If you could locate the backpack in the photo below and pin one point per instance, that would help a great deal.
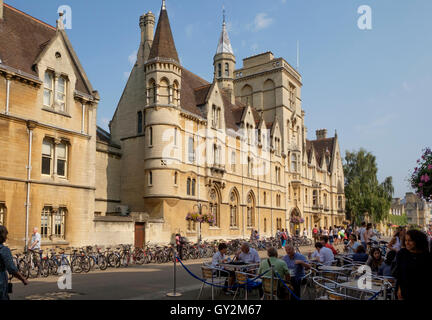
(284, 236)
(182, 240)
(315, 230)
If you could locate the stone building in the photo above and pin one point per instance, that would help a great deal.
(417, 211)
(48, 133)
(237, 146)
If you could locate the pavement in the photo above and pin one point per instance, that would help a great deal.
(148, 282)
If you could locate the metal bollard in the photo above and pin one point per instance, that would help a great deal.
(174, 293)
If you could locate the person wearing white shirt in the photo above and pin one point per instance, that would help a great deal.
(220, 256)
(323, 255)
(35, 242)
(247, 254)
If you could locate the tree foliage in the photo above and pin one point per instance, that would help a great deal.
(364, 194)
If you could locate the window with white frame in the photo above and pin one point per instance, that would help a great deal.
(53, 223)
(48, 89)
(61, 94)
(191, 150)
(61, 159)
(47, 156)
(233, 161)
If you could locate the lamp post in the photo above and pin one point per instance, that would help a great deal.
(199, 207)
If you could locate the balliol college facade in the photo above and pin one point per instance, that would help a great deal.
(235, 147)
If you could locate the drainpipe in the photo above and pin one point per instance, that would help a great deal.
(8, 82)
(31, 125)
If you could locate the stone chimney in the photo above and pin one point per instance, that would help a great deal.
(1, 9)
(147, 23)
(321, 134)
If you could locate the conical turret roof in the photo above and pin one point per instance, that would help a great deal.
(163, 43)
(224, 45)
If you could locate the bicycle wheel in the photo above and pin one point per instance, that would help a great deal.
(53, 268)
(76, 266)
(140, 258)
(44, 268)
(85, 264)
(102, 262)
(124, 258)
(24, 268)
(34, 270)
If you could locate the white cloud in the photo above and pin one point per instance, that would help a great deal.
(406, 86)
(254, 47)
(283, 1)
(262, 21)
(377, 123)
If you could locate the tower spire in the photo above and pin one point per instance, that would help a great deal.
(163, 5)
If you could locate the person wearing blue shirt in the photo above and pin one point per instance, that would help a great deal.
(297, 263)
(360, 256)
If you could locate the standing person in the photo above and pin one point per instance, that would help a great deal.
(395, 243)
(36, 240)
(315, 233)
(362, 231)
(331, 239)
(305, 234)
(336, 234)
(7, 266)
(325, 232)
(368, 234)
(413, 268)
(283, 238)
(180, 243)
(298, 263)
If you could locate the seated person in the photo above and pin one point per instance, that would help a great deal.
(247, 254)
(360, 255)
(279, 266)
(220, 257)
(325, 242)
(323, 255)
(352, 245)
(298, 263)
(375, 260)
(385, 269)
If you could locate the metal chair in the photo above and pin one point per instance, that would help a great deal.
(332, 295)
(213, 275)
(243, 280)
(321, 286)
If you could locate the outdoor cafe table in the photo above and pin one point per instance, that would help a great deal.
(238, 267)
(353, 285)
(330, 268)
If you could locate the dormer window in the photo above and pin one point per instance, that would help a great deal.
(48, 89)
(54, 91)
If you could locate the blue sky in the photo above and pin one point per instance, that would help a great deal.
(373, 86)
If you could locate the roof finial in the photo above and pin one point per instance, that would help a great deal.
(224, 15)
(163, 5)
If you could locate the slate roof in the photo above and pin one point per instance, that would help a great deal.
(22, 40)
(163, 43)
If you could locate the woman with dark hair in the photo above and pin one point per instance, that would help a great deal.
(375, 260)
(7, 266)
(413, 267)
(395, 243)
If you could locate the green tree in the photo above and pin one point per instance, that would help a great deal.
(364, 194)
